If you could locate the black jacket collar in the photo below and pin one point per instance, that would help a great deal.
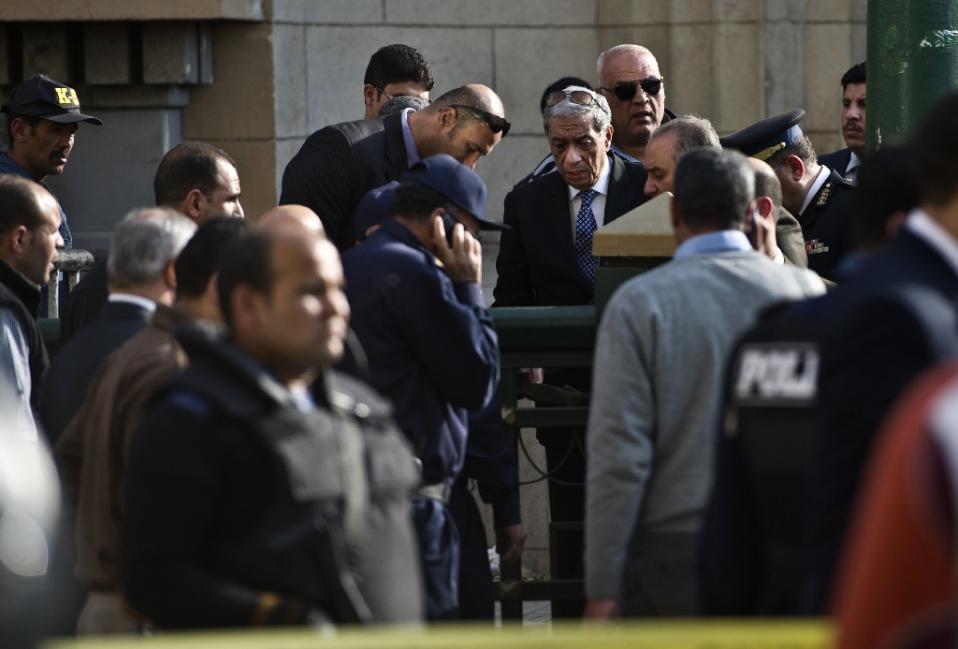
(25, 290)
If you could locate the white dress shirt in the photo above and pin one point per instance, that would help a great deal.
(929, 231)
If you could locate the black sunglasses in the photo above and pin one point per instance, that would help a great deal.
(581, 97)
(625, 90)
(495, 123)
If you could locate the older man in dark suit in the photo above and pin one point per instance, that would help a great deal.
(144, 248)
(545, 259)
(338, 164)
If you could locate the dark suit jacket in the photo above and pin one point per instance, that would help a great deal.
(536, 262)
(837, 160)
(75, 366)
(86, 300)
(338, 164)
(896, 317)
(827, 227)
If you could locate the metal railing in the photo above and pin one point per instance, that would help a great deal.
(71, 263)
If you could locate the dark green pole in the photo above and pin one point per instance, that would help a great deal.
(912, 62)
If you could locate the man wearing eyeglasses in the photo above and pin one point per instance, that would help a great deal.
(338, 164)
(395, 71)
(629, 78)
(545, 259)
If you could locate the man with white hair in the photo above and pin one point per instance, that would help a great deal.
(629, 78)
(545, 259)
(145, 246)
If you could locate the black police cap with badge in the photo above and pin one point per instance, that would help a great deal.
(825, 219)
(41, 96)
(764, 139)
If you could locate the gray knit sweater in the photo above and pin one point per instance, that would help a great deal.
(660, 363)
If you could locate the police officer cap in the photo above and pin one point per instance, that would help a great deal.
(374, 208)
(764, 139)
(41, 96)
(455, 181)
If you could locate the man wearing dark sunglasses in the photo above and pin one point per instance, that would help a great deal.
(338, 164)
(630, 80)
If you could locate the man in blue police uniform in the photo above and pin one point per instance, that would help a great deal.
(418, 312)
(818, 196)
(42, 120)
(848, 161)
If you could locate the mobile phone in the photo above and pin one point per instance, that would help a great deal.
(448, 223)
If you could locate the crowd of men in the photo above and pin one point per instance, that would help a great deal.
(277, 422)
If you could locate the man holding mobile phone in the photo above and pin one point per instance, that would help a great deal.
(431, 346)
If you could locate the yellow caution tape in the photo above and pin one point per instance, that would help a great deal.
(673, 634)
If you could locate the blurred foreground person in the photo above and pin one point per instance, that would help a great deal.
(651, 427)
(92, 450)
(261, 485)
(755, 542)
(897, 585)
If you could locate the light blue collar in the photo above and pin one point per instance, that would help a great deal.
(713, 242)
(412, 152)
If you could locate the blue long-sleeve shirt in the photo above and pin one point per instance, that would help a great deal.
(9, 167)
(431, 345)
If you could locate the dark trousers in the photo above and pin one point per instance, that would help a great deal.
(439, 555)
(476, 594)
(566, 462)
(661, 576)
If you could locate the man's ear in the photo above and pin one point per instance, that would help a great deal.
(609, 133)
(370, 94)
(19, 129)
(765, 207)
(169, 275)
(796, 168)
(674, 214)
(446, 118)
(193, 204)
(17, 238)
(243, 307)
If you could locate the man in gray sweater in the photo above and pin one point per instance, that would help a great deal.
(659, 365)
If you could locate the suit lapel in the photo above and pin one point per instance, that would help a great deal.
(619, 199)
(396, 159)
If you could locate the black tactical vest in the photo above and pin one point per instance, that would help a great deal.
(339, 534)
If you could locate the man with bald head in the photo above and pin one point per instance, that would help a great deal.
(288, 476)
(680, 135)
(338, 164)
(125, 382)
(29, 240)
(629, 78)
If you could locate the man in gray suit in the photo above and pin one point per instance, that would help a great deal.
(338, 164)
(659, 365)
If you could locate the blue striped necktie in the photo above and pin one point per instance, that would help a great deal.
(584, 227)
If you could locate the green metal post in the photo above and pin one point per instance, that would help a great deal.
(912, 62)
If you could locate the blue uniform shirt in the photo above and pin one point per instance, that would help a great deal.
(9, 166)
(431, 344)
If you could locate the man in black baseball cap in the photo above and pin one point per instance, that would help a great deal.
(42, 119)
(817, 196)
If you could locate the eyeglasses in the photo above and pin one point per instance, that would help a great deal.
(581, 97)
(495, 123)
(382, 91)
(625, 90)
